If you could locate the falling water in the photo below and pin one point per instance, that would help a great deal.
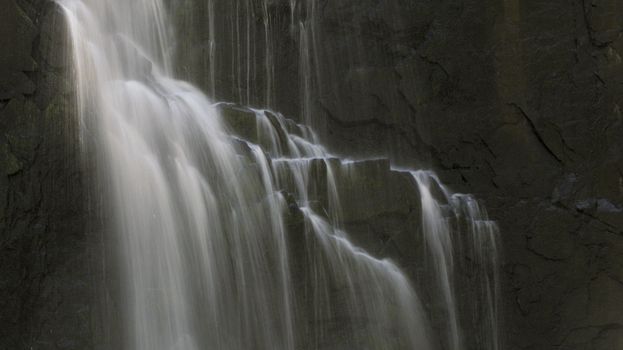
(205, 261)
(442, 218)
(305, 72)
(240, 48)
(229, 219)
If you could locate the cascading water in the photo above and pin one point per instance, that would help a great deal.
(205, 262)
(205, 211)
(477, 239)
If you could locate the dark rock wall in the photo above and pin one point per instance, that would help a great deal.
(516, 101)
(519, 102)
(46, 276)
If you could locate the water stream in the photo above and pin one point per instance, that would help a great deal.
(231, 231)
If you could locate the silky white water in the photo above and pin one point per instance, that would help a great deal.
(203, 217)
(478, 237)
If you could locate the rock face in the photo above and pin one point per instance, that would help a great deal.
(516, 101)
(46, 280)
(519, 102)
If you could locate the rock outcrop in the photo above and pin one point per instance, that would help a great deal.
(46, 251)
(518, 102)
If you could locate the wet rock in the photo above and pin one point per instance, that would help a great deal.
(53, 39)
(23, 119)
(17, 33)
(369, 189)
(46, 271)
(8, 162)
(241, 121)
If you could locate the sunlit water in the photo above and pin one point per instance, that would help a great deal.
(203, 215)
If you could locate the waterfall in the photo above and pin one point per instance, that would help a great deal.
(229, 220)
(442, 218)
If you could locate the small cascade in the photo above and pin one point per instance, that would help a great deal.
(392, 317)
(455, 225)
(437, 236)
(234, 224)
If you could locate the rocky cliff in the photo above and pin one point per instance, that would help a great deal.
(46, 282)
(515, 101)
(519, 102)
